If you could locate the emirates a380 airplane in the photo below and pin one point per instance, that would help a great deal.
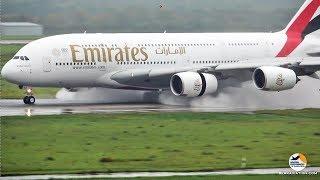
(188, 64)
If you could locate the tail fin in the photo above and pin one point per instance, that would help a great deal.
(305, 22)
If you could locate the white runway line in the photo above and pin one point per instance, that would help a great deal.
(8, 42)
(164, 174)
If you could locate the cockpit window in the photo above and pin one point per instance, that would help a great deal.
(21, 58)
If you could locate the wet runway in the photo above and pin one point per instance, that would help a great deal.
(55, 107)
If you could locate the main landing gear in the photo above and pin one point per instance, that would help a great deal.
(29, 99)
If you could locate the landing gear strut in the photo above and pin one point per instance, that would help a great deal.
(29, 99)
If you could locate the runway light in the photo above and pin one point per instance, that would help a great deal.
(29, 90)
(28, 112)
(244, 162)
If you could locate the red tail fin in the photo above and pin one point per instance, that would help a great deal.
(302, 24)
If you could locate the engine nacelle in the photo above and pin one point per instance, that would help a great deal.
(270, 78)
(192, 84)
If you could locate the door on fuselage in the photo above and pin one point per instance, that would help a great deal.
(46, 64)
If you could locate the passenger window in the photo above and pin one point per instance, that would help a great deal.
(22, 58)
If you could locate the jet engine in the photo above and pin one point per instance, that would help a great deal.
(192, 84)
(269, 78)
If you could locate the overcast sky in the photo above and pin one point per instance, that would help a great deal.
(61, 16)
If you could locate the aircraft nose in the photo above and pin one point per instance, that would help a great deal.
(5, 71)
(9, 71)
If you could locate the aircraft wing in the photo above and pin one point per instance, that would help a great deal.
(310, 63)
(161, 77)
(143, 74)
(152, 78)
(286, 63)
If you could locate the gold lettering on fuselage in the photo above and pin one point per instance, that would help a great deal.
(74, 52)
(134, 53)
(126, 50)
(171, 51)
(143, 51)
(119, 54)
(110, 54)
(106, 54)
(94, 52)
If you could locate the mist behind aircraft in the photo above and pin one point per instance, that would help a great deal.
(305, 95)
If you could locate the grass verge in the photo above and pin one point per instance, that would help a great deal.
(7, 52)
(11, 91)
(157, 141)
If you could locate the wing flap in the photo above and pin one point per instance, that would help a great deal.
(310, 63)
(170, 71)
(254, 65)
(141, 75)
(145, 74)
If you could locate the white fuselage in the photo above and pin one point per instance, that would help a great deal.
(91, 60)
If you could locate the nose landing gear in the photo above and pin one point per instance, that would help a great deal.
(29, 99)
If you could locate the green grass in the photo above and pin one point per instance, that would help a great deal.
(157, 141)
(11, 91)
(7, 52)
(20, 37)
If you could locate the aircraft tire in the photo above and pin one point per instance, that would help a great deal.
(26, 100)
(32, 100)
(29, 100)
